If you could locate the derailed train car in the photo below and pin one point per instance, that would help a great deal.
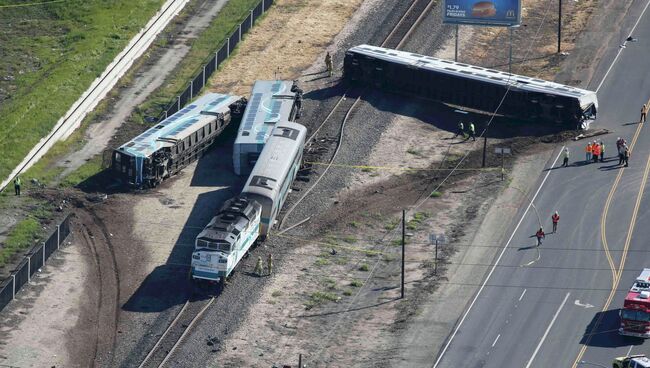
(225, 240)
(175, 142)
(469, 86)
(250, 216)
(271, 178)
(271, 102)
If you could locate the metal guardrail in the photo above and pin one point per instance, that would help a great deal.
(32, 262)
(211, 65)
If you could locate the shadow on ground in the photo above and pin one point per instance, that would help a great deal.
(606, 333)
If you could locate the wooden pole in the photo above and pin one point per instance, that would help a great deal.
(403, 249)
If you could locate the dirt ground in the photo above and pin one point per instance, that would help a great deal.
(336, 302)
(284, 44)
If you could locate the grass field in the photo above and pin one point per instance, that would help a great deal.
(51, 53)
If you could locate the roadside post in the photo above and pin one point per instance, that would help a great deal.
(436, 239)
(403, 250)
(502, 151)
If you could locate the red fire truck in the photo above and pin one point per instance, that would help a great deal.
(635, 315)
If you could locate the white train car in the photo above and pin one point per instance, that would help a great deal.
(225, 240)
(271, 178)
(470, 86)
(271, 102)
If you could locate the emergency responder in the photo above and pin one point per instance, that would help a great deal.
(626, 155)
(588, 152)
(328, 63)
(565, 157)
(602, 151)
(258, 267)
(472, 131)
(644, 113)
(595, 151)
(461, 130)
(540, 235)
(555, 218)
(269, 263)
(17, 183)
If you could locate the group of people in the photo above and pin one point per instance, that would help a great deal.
(471, 131)
(595, 151)
(623, 151)
(540, 235)
(269, 264)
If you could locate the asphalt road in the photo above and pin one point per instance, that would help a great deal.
(536, 307)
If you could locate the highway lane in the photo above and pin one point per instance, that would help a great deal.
(547, 325)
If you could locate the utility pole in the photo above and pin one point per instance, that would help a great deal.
(484, 146)
(403, 249)
(456, 48)
(299, 360)
(559, 28)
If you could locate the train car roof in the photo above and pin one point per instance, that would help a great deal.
(271, 102)
(272, 166)
(474, 72)
(180, 125)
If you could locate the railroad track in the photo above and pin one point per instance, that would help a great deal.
(343, 108)
(180, 327)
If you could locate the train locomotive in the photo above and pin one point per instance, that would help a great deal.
(271, 102)
(470, 86)
(226, 239)
(251, 215)
(164, 149)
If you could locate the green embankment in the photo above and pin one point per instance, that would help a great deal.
(203, 47)
(51, 53)
(22, 236)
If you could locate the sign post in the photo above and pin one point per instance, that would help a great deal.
(502, 151)
(436, 239)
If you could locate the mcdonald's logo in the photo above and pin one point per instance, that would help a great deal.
(510, 14)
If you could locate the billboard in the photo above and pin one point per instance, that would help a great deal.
(488, 13)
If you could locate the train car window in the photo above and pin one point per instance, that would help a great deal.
(118, 157)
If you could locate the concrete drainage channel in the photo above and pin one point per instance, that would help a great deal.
(33, 262)
(101, 86)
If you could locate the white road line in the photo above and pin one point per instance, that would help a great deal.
(522, 295)
(497, 339)
(547, 330)
(478, 293)
(629, 351)
(621, 49)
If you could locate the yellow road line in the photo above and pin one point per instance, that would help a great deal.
(619, 272)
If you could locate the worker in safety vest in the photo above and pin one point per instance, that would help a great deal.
(540, 236)
(644, 113)
(269, 263)
(461, 130)
(588, 152)
(17, 183)
(555, 218)
(472, 131)
(328, 63)
(602, 151)
(258, 266)
(595, 151)
(565, 157)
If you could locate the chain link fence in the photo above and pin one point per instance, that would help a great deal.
(32, 262)
(198, 82)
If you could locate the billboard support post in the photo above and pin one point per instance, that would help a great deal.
(559, 28)
(456, 49)
(510, 61)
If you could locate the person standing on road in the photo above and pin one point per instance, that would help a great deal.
(626, 156)
(621, 154)
(461, 130)
(17, 184)
(258, 267)
(644, 113)
(588, 152)
(472, 131)
(328, 63)
(555, 218)
(540, 235)
(565, 157)
(595, 150)
(602, 151)
(269, 263)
